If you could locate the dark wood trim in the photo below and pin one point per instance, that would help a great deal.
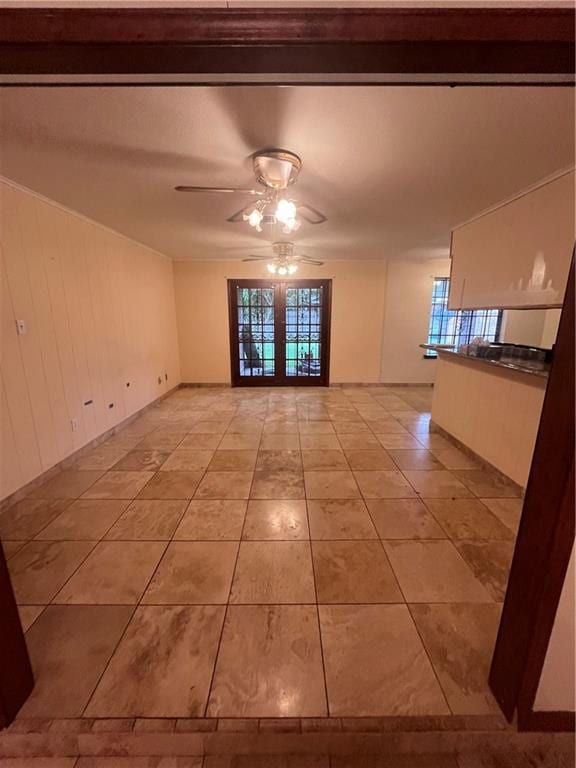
(549, 721)
(545, 538)
(280, 379)
(16, 679)
(335, 40)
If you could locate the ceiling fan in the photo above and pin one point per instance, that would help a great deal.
(284, 261)
(275, 170)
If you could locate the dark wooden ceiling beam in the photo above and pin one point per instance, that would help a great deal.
(69, 41)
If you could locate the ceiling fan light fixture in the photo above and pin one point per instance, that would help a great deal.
(254, 218)
(271, 268)
(292, 268)
(282, 270)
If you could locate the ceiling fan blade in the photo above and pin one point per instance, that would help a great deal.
(243, 190)
(257, 258)
(307, 260)
(238, 215)
(311, 215)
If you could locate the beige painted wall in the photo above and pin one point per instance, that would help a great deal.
(358, 293)
(99, 313)
(556, 690)
(494, 412)
(407, 318)
(537, 327)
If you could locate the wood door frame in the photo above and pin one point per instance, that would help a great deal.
(543, 546)
(419, 41)
(282, 381)
(468, 47)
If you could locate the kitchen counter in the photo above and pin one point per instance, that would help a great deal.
(522, 366)
(491, 406)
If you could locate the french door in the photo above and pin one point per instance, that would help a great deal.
(279, 332)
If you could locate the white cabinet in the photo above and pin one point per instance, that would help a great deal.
(518, 253)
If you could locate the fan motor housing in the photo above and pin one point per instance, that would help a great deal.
(276, 168)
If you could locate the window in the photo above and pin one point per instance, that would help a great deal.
(460, 326)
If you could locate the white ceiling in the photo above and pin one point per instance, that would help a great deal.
(393, 168)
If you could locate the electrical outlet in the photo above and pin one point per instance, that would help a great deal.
(74, 424)
(159, 379)
(21, 327)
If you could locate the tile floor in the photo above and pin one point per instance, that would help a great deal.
(265, 553)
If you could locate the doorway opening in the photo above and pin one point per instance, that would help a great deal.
(280, 332)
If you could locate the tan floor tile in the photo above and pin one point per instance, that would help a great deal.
(279, 461)
(201, 442)
(281, 427)
(118, 485)
(376, 664)
(281, 670)
(351, 428)
(163, 665)
(69, 648)
(273, 572)
(353, 572)
(115, 573)
(460, 642)
(319, 443)
(148, 520)
(401, 441)
(188, 460)
(315, 428)
(452, 458)
(207, 520)
(193, 572)
(171, 485)
(41, 568)
(157, 441)
(102, 457)
(403, 519)
(384, 484)
(28, 615)
(434, 572)
(225, 485)
(28, 517)
(508, 511)
(468, 519)
(239, 442)
(231, 460)
(490, 562)
(331, 485)
(362, 442)
(210, 427)
(488, 484)
(418, 459)
(280, 443)
(324, 459)
(340, 519)
(84, 519)
(436, 484)
(68, 484)
(246, 426)
(276, 519)
(277, 485)
(373, 459)
(142, 460)
(10, 547)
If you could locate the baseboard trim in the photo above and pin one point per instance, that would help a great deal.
(65, 463)
(473, 455)
(204, 385)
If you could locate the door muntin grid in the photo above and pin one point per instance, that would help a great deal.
(303, 323)
(256, 339)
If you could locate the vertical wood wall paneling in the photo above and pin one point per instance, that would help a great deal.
(99, 311)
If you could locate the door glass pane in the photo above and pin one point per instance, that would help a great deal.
(303, 330)
(255, 311)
